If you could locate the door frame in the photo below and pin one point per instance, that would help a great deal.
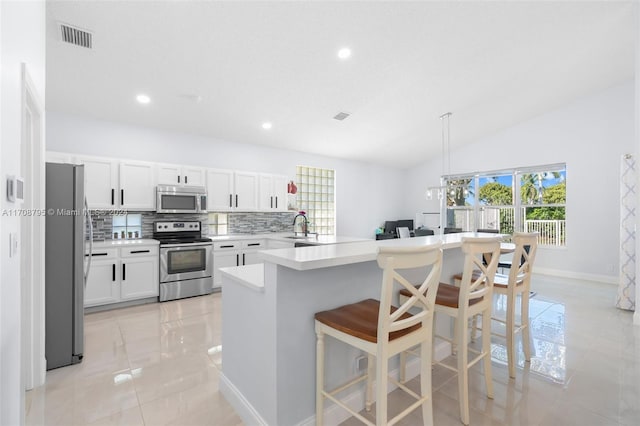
(32, 230)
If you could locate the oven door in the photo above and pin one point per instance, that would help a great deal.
(185, 262)
(168, 202)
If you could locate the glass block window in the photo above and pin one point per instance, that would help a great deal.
(316, 197)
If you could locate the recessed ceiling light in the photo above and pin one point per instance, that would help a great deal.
(143, 99)
(266, 125)
(344, 53)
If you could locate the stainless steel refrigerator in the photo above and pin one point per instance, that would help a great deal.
(65, 268)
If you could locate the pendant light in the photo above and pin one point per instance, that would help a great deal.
(441, 190)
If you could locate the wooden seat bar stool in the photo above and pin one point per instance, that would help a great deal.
(473, 297)
(383, 331)
(516, 283)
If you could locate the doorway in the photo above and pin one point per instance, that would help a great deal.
(32, 236)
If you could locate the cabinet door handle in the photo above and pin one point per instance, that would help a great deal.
(253, 244)
(276, 201)
(186, 179)
(236, 200)
(230, 246)
(122, 197)
(96, 254)
(139, 251)
(124, 274)
(271, 202)
(230, 200)
(113, 272)
(113, 196)
(237, 260)
(178, 178)
(243, 262)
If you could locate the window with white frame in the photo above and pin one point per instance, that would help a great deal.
(525, 199)
(316, 197)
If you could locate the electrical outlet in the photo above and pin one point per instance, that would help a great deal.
(361, 363)
(610, 268)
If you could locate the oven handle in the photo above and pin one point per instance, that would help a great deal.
(186, 245)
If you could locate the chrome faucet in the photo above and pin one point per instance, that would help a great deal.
(305, 224)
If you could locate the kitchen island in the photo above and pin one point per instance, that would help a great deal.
(268, 335)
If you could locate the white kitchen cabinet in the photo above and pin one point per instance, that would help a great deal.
(139, 278)
(101, 181)
(273, 192)
(124, 274)
(249, 252)
(234, 253)
(246, 191)
(110, 183)
(137, 185)
(103, 283)
(220, 190)
(225, 254)
(173, 174)
(229, 190)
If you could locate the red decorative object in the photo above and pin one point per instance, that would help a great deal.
(292, 188)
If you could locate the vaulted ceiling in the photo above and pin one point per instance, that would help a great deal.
(221, 69)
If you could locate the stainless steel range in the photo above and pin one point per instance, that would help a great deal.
(185, 260)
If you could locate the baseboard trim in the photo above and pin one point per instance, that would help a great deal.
(606, 279)
(245, 410)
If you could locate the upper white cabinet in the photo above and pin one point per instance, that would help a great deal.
(112, 183)
(172, 174)
(118, 184)
(229, 190)
(273, 192)
(137, 185)
(246, 191)
(220, 190)
(101, 182)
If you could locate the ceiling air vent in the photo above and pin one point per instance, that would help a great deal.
(341, 116)
(76, 36)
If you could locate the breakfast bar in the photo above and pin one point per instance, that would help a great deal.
(268, 335)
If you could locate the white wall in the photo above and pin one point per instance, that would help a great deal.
(22, 40)
(366, 194)
(590, 136)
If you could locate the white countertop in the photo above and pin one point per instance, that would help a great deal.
(123, 243)
(306, 258)
(251, 276)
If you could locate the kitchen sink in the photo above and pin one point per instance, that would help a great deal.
(298, 237)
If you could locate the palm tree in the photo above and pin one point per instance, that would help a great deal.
(531, 188)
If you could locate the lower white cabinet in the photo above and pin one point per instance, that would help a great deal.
(122, 274)
(234, 253)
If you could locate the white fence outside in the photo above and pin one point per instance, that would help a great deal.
(552, 232)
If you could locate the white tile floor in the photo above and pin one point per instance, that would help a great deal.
(159, 364)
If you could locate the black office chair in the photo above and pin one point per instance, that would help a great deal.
(452, 230)
(422, 232)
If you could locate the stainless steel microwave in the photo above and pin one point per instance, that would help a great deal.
(181, 199)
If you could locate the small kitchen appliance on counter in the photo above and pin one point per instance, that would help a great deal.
(185, 259)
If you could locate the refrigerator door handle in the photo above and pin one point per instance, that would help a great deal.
(88, 216)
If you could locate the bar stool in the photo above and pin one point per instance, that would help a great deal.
(382, 331)
(517, 283)
(473, 297)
